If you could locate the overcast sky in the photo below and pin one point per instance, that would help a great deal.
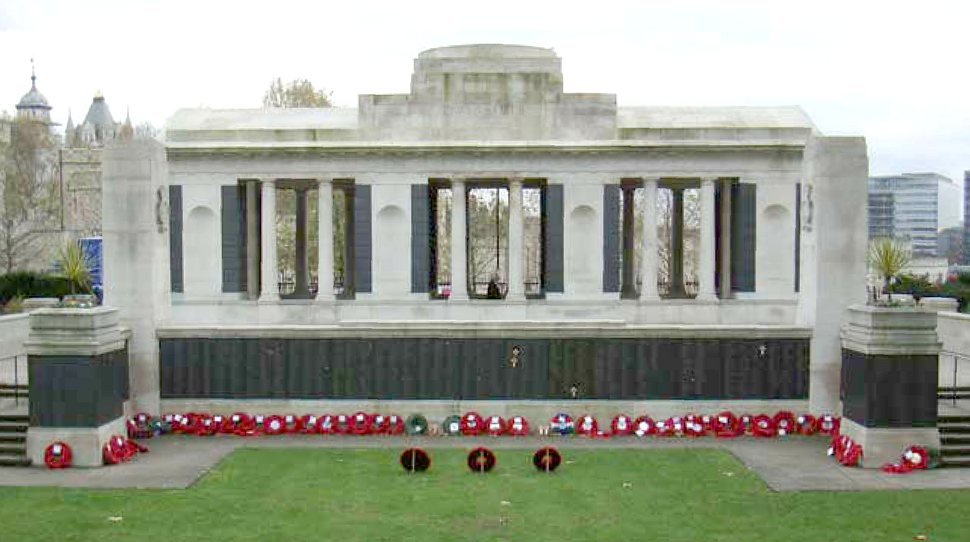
(897, 73)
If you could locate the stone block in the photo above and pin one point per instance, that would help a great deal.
(886, 445)
(86, 442)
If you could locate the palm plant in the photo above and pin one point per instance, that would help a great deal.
(887, 257)
(75, 266)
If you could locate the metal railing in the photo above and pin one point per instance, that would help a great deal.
(959, 377)
(13, 368)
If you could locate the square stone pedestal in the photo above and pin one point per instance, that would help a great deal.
(78, 363)
(890, 360)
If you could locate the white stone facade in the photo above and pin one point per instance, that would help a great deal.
(490, 113)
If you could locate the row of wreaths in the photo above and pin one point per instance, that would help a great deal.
(725, 425)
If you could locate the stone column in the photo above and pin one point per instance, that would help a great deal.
(325, 293)
(516, 289)
(705, 271)
(725, 277)
(252, 240)
(302, 289)
(629, 287)
(890, 366)
(650, 253)
(677, 244)
(459, 261)
(269, 276)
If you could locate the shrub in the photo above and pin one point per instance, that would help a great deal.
(32, 284)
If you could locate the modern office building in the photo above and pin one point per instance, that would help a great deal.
(923, 204)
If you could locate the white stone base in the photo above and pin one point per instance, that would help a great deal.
(536, 412)
(85, 442)
(881, 445)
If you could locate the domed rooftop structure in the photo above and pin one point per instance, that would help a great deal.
(34, 105)
(98, 114)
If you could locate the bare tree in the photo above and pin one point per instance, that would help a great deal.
(296, 93)
(28, 192)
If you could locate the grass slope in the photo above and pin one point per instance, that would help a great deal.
(339, 494)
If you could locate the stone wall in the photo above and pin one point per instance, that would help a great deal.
(81, 170)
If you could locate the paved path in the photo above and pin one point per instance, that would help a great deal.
(791, 463)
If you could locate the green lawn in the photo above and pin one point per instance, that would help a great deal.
(335, 494)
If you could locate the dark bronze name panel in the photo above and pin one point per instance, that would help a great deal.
(78, 391)
(889, 391)
(486, 368)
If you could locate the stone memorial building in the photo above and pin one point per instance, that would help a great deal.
(733, 293)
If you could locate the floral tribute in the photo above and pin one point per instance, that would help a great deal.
(472, 424)
(586, 425)
(914, 458)
(845, 450)
(621, 425)
(547, 459)
(784, 423)
(120, 449)
(451, 426)
(415, 460)
(643, 426)
(481, 460)
(562, 424)
(495, 425)
(57, 455)
(806, 424)
(517, 426)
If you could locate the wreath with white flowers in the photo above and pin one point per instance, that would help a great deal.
(845, 450)
(494, 425)
(471, 424)
(621, 425)
(829, 425)
(643, 426)
(360, 423)
(914, 458)
(784, 423)
(57, 455)
(586, 425)
(451, 426)
(694, 426)
(274, 425)
(562, 424)
(763, 426)
(727, 425)
(517, 426)
(806, 424)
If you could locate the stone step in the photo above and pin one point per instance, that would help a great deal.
(4, 394)
(945, 441)
(6, 438)
(942, 389)
(6, 427)
(955, 450)
(13, 449)
(14, 418)
(952, 419)
(14, 461)
(952, 463)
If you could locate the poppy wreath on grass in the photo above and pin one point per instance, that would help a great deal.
(643, 426)
(416, 424)
(415, 460)
(763, 426)
(586, 425)
(451, 426)
(806, 424)
(727, 425)
(517, 426)
(481, 460)
(914, 458)
(829, 425)
(562, 424)
(494, 425)
(784, 422)
(360, 423)
(547, 459)
(57, 455)
(472, 424)
(621, 425)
